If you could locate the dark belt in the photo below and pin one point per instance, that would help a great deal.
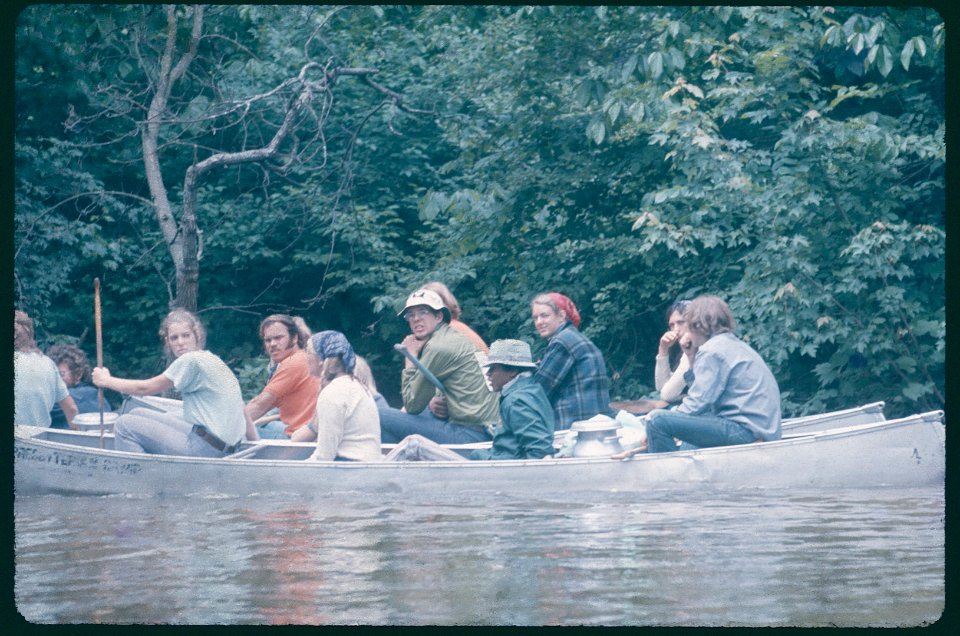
(213, 440)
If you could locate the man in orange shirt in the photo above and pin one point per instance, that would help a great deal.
(291, 388)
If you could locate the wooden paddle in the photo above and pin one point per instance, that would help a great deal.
(99, 328)
(266, 419)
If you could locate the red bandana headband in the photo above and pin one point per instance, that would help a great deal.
(565, 304)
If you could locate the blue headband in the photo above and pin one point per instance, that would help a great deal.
(329, 344)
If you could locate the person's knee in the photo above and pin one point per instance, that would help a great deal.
(122, 424)
(656, 420)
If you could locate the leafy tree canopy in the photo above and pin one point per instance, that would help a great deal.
(788, 159)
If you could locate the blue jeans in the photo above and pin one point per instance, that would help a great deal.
(395, 425)
(145, 430)
(272, 430)
(702, 431)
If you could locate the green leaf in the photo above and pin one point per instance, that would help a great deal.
(921, 45)
(629, 67)
(677, 60)
(655, 64)
(885, 60)
(856, 42)
(583, 93)
(596, 131)
(614, 111)
(875, 32)
(914, 391)
(906, 54)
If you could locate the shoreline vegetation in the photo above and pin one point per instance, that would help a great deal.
(323, 162)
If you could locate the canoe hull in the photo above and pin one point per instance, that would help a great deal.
(908, 452)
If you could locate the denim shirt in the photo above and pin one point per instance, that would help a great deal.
(730, 380)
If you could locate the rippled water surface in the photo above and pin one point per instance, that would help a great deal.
(849, 558)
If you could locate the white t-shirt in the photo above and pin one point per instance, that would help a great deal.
(211, 394)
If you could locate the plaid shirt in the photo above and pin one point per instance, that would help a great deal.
(573, 374)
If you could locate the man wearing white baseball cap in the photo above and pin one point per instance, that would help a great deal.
(464, 411)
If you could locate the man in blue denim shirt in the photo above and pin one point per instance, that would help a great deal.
(733, 397)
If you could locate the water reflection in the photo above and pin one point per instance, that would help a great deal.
(811, 559)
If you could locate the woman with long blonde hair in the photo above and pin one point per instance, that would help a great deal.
(213, 421)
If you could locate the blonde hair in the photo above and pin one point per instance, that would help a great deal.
(23, 338)
(187, 318)
(709, 316)
(364, 373)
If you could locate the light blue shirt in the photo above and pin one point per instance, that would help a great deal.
(211, 394)
(37, 386)
(730, 380)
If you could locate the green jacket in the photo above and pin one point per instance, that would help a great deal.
(450, 356)
(528, 423)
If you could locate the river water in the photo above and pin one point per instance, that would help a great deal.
(841, 558)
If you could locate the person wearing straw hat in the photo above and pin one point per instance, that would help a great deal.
(526, 416)
(526, 429)
(464, 411)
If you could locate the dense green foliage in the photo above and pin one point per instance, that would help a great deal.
(789, 159)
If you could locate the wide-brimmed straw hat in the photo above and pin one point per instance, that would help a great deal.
(426, 298)
(511, 353)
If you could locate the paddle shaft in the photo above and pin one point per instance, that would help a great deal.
(424, 370)
(99, 331)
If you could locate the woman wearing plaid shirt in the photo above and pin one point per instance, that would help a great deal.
(572, 370)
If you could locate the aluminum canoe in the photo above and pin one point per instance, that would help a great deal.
(900, 453)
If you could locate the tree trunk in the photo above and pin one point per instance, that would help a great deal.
(181, 240)
(183, 237)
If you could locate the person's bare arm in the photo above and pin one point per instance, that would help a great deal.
(69, 410)
(151, 386)
(252, 433)
(259, 405)
(304, 433)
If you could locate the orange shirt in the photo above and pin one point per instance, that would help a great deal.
(295, 391)
(471, 335)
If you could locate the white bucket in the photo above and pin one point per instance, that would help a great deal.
(91, 421)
